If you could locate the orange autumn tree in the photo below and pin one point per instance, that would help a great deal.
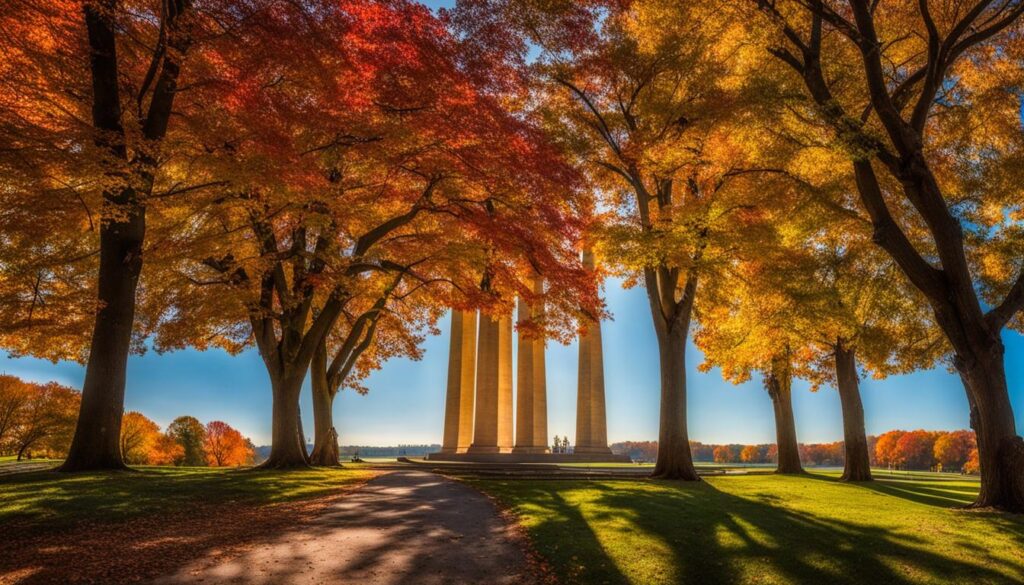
(165, 451)
(387, 170)
(953, 450)
(389, 319)
(916, 449)
(225, 446)
(101, 114)
(746, 325)
(139, 438)
(750, 454)
(14, 396)
(886, 449)
(44, 425)
(916, 96)
(380, 324)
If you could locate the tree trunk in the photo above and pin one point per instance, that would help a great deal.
(1000, 449)
(779, 385)
(325, 438)
(287, 449)
(96, 443)
(97, 440)
(301, 433)
(674, 458)
(855, 441)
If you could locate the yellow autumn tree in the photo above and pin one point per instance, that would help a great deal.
(651, 98)
(915, 97)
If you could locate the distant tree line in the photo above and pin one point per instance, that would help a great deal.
(38, 420)
(896, 449)
(389, 451)
(186, 442)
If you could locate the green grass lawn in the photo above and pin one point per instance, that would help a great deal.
(764, 528)
(50, 500)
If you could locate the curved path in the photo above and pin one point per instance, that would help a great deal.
(403, 527)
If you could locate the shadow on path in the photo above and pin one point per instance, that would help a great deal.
(405, 527)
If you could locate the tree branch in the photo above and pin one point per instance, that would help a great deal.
(999, 316)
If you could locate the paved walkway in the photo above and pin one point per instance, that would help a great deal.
(405, 527)
(24, 467)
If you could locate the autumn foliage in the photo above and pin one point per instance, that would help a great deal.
(36, 420)
(225, 446)
(186, 442)
(948, 451)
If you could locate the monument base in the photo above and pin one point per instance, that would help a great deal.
(607, 457)
(592, 451)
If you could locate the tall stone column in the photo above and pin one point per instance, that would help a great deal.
(591, 424)
(524, 385)
(531, 390)
(505, 428)
(583, 388)
(598, 422)
(485, 427)
(468, 394)
(458, 410)
(540, 383)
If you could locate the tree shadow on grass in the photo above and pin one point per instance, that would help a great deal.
(42, 501)
(708, 536)
(564, 537)
(113, 526)
(921, 490)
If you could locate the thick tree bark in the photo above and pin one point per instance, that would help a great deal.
(1000, 449)
(858, 460)
(301, 434)
(325, 441)
(97, 439)
(287, 450)
(675, 461)
(779, 384)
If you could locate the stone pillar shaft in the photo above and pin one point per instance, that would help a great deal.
(591, 424)
(524, 385)
(540, 384)
(531, 390)
(505, 429)
(458, 412)
(584, 420)
(598, 423)
(485, 428)
(540, 397)
(468, 394)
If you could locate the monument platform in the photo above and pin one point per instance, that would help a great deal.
(608, 457)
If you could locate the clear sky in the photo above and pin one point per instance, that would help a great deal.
(406, 399)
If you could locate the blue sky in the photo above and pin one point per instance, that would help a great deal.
(406, 399)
